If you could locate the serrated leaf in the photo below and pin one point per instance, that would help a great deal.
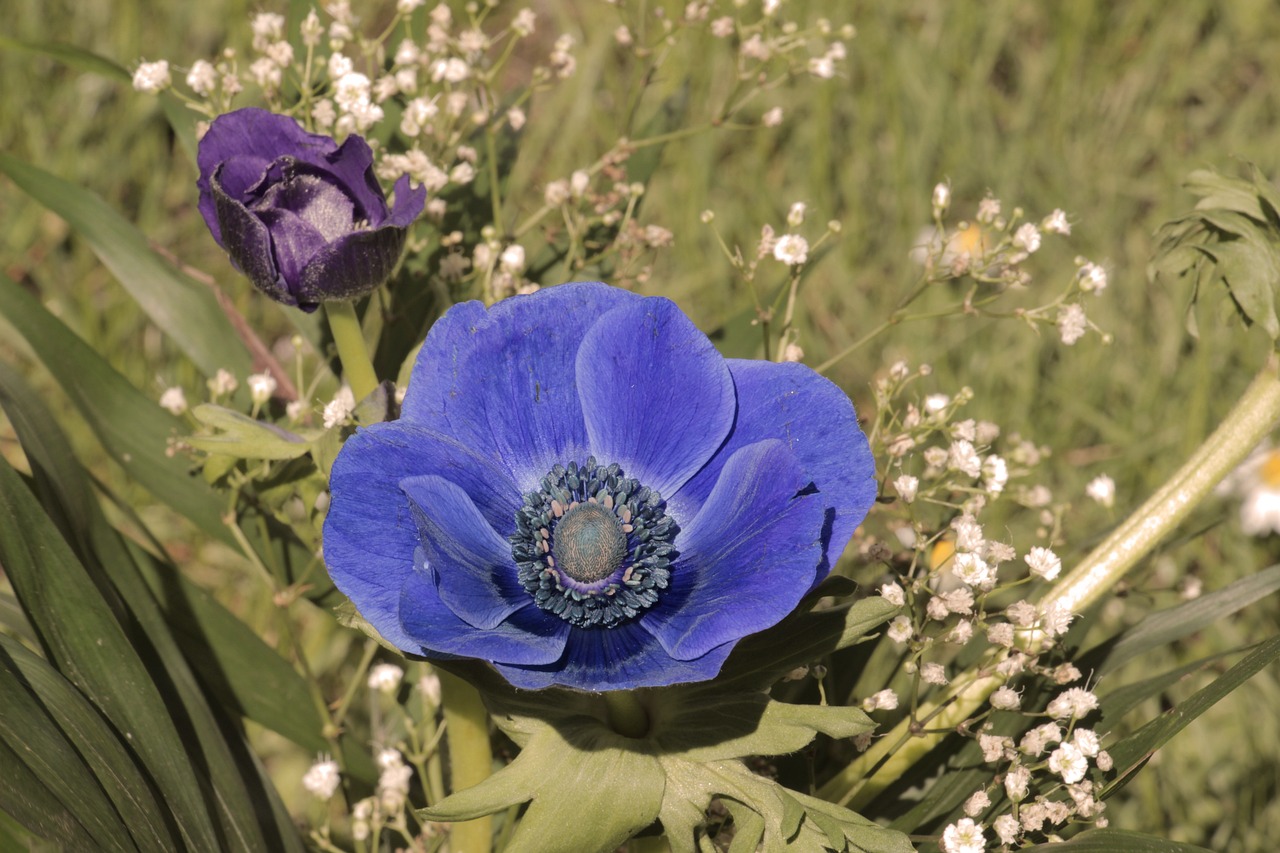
(1250, 267)
(1135, 749)
(748, 827)
(185, 310)
(240, 436)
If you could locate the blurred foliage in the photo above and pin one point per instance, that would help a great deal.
(1098, 108)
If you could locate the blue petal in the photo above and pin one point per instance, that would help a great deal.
(514, 397)
(657, 396)
(352, 166)
(621, 658)
(748, 557)
(408, 204)
(351, 266)
(817, 420)
(247, 241)
(474, 571)
(370, 534)
(434, 380)
(529, 636)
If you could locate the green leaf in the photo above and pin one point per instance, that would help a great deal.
(1132, 752)
(90, 647)
(71, 56)
(53, 758)
(111, 761)
(1116, 703)
(187, 311)
(239, 435)
(1167, 626)
(1116, 841)
(133, 429)
(33, 805)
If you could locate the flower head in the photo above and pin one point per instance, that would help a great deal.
(300, 215)
(583, 492)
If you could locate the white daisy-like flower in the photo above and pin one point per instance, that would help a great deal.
(1257, 482)
(964, 836)
(791, 249)
(1069, 763)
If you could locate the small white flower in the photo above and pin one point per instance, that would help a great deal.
(900, 629)
(988, 209)
(311, 29)
(338, 410)
(1007, 828)
(1027, 238)
(261, 387)
(906, 486)
(995, 474)
(1069, 763)
(1017, 783)
(1065, 673)
(1102, 489)
(793, 353)
(385, 677)
(556, 193)
(795, 216)
(405, 7)
(1072, 323)
(722, 28)
(1006, 699)
(462, 173)
(936, 609)
(1043, 563)
(884, 700)
(791, 249)
(1104, 761)
(962, 457)
(512, 259)
(941, 198)
(202, 78)
(893, 594)
(222, 383)
(977, 804)
(772, 118)
(964, 836)
(515, 118)
(1055, 620)
(1086, 740)
(1001, 634)
(959, 600)
(339, 66)
(770, 7)
(524, 22)
(174, 400)
(995, 747)
(1056, 223)
(933, 673)
(1075, 702)
(971, 569)
(1093, 278)
(622, 35)
(322, 779)
(152, 78)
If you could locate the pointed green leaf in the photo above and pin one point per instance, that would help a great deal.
(748, 827)
(33, 805)
(238, 435)
(132, 428)
(1116, 841)
(187, 311)
(1130, 753)
(1120, 701)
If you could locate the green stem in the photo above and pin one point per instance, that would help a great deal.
(1251, 420)
(627, 716)
(470, 760)
(357, 367)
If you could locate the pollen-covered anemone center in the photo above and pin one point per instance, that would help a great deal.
(593, 546)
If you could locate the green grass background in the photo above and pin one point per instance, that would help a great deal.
(1095, 107)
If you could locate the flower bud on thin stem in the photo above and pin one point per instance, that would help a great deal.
(357, 368)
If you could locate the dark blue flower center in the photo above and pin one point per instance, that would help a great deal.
(592, 545)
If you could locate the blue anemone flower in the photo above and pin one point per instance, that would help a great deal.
(582, 491)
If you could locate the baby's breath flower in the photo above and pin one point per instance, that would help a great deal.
(561, 60)
(1017, 783)
(893, 594)
(1093, 278)
(792, 353)
(1075, 702)
(937, 609)
(995, 474)
(1027, 238)
(822, 67)
(977, 803)
(322, 779)
(1102, 489)
(1043, 563)
(770, 7)
(988, 209)
(900, 629)
(906, 486)
(311, 29)
(1104, 761)
(338, 410)
(512, 259)
(772, 118)
(1006, 699)
(152, 78)
(267, 27)
(202, 78)
(1001, 634)
(1069, 763)
(223, 382)
(515, 118)
(1072, 323)
(406, 7)
(174, 400)
(261, 387)
(524, 23)
(972, 569)
(385, 677)
(791, 249)
(1007, 829)
(933, 673)
(1056, 619)
(1057, 223)
(723, 27)
(556, 193)
(963, 458)
(1065, 673)
(884, 700)
(622, 35)
(462, 173)
(795, 216)
(1086, 740)
(963, 836)
(579, 181)
(995, 747)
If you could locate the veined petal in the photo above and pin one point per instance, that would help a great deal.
(475, 575)
(657, 396)
(621, 658)
(515, 397)
(527, 637)
(370, 534)
(748, 557)
(817, 420)
(248, 242)
(434, 380)
(294, 241)
(351, 266)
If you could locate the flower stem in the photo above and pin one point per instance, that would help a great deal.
(470, 760)
(626, 715)
(1252, 418)
(349, 337)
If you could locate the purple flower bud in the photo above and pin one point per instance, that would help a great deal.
(301, 216)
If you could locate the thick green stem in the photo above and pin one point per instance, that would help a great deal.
(357, 368)
(470, 760)
(1251, 420)
(626, 715)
